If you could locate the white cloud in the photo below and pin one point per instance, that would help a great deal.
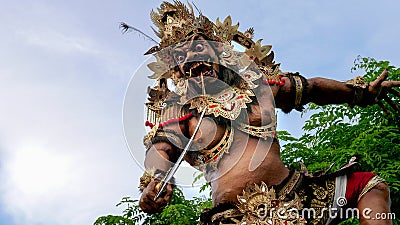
(63, 157)
(62, 154)
(36, 170)
(53, 40)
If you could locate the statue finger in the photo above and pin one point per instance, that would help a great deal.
(380, 79)
(391, 102)
(148, 207)
(394, 92)
(385, 110)
(170, 191)
(166, 197)
(391, 84)
(152, 188)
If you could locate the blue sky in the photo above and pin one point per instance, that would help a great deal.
(65, 67)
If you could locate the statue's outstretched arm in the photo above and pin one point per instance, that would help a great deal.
(299, 91)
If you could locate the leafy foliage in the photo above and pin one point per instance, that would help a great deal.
(131, 215)
(333, 133)
(179, 211)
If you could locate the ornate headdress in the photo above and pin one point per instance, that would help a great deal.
(176, 23)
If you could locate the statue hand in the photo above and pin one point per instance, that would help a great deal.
(378, 91)
(147, 202)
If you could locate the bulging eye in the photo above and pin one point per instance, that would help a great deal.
(199, 47)
(180, 58)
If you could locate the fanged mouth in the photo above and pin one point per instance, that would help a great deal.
(201, 69)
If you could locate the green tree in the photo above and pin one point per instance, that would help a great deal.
(333, 133)
(179, 211)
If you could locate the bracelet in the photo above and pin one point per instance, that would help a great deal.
(360, 86)
(357, 82)
(150, 175)
(300, 86)
(299, 91)
(153, 174)
(169, 136)
(157, 135)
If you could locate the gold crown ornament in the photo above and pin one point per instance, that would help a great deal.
(176, 23)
